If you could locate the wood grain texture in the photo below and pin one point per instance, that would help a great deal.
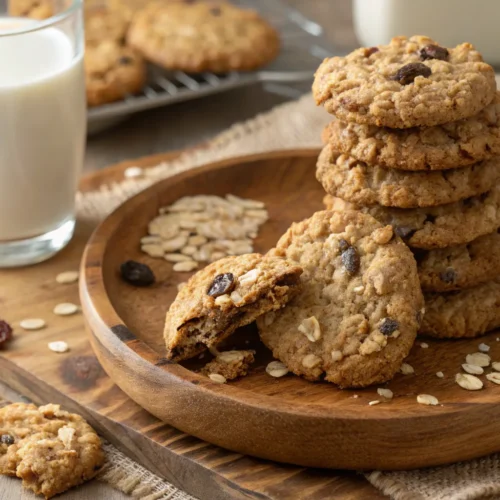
(77, 381)
(287, 419)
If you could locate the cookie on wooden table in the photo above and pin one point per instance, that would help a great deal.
(462, 266)
(436, 227)
(51, 450)
(112, 71)
(357, 313)
(412, 82)
(225, 295)
(451, 145)
(203, 36)
(468, 313)
(343, 176)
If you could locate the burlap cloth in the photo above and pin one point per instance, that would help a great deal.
(293, 125)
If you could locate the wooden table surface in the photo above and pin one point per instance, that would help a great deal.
(177, 127)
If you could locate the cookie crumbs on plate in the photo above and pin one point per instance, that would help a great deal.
(424, 345)
(32, 324)
(58, 346)
(132, 172)
(385, 393)
(478, 359)
(276, 369)
(218, 379)
(68, 277)
(468, 382)
(406, 369)
(484, 347)
(494, 377)
(427, 399)
(65, 309)
(373, 403)
(439, 374)
(473, 369)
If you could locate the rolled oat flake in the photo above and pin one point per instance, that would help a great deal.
(32, 324)
(58, 346)
(65, 309)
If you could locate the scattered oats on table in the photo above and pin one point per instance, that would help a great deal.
(472, 369)
(65, 309)
(32, 324)
(468, 382)
(58, 346)
(427, 399)
(406, 369)
(202, 229)
(67, 277)
(478, 359)
(373, 403)
(385, 393)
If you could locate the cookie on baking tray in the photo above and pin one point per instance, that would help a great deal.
(359, 183)
(410, 82)
(225, 295)
(203, 36)
(447, 146)
(357, 313)
(51, 450)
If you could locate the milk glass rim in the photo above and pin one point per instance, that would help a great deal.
(40, 24)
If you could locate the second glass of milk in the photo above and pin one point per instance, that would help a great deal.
(42, 132)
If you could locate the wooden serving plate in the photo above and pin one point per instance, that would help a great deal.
(288, 419)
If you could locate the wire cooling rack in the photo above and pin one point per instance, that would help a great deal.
(303, 46)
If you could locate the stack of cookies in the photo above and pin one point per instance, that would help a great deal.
(416, 144)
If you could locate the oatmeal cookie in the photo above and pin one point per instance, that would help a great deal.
(104, 24)
(51, 450)
(111, 72)
(451, 145)
(201, 36)
(468, 313)
(35, 9)
(230, 364)
(225, 295)
(357, 314)
(436, 227)
(462, 266)
(359, 183)
(412, 82)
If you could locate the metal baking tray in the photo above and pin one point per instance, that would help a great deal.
(303, 47)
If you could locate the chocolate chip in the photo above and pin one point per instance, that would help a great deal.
(215, 11)
(404, 231)
(222, 284)
(343, 245)
(371, 50)
(433, 52)
(388, 326)
(449, 275)
(6, 439)
(406, 74)
(350, 259)
(137, 274)
(125, 60)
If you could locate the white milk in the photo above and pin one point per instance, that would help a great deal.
(449, 22)
(42, 130)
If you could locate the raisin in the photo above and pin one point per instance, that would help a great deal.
(222, 284)
(433, 52)
(371, 50)
(388, 326)
(343, 245)
(406, 74)
(215, 11)
(136, 273)
(351, 261)
(6, 439)
(5, 333)
(125, 60)
(404, 231)
(449, 275)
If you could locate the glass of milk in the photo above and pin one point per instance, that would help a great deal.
(42, 131)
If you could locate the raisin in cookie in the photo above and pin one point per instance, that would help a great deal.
(412, 82)
(468, 313)
(230, 364)
(354, 181)
(462, 266)
(225, 295)
(51, 450)
(451, 145)
(436, 227)
(356, 315)
(203, 36)
(112, 71)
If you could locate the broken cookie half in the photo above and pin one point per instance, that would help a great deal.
(229, 293)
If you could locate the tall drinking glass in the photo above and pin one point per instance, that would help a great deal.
(42, 131)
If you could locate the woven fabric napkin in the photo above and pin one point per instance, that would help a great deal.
(293, 125)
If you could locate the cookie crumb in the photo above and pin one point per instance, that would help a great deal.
(32, 324)
(468, 382)
(58, 346)
(427, 399)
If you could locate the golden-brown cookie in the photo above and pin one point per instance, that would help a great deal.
(102, 24)
(203, 36)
